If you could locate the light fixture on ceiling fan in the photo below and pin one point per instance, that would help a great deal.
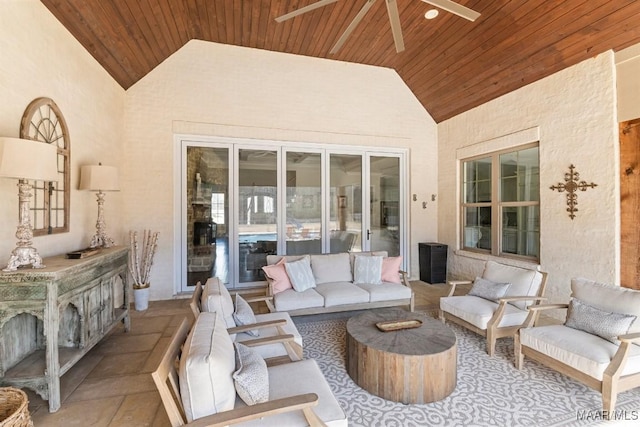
(394, 17)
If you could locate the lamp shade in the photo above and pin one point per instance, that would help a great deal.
(27, 159)
(99, 178)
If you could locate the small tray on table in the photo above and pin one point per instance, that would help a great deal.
(396, 325)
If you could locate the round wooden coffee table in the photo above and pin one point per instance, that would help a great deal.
(415, 365)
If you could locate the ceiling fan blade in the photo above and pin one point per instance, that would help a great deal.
(396, 29)
(305, 9)
(455, 8)
(352, 26)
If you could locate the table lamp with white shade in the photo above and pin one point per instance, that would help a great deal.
(24, 159)
(99, 178)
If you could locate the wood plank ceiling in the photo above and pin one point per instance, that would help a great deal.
(450, 64)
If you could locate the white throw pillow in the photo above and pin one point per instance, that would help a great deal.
(488, 289)
(300, 274)
(244, 315)
(251, 377)
(598, 322)
(367, 269)
(216, 297)
(206, 368)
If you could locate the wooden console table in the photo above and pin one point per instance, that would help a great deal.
(51, 317)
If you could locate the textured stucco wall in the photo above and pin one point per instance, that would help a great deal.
(574, 112)
(38, 57)
(219, 90)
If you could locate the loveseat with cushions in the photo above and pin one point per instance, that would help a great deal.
(311, 284)
(599, 343)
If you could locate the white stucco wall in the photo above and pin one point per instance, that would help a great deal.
(575, 113)
(38, 57)
(628, 83)
(220, 90)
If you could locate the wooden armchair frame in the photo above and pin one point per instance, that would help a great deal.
(166, 380)
(293, 349)
(612, 380)
(493, 331)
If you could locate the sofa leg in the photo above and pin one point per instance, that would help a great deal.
(609, 396)
(441, 316)
(517, 350)
(491, 344)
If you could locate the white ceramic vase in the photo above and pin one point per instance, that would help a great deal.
(141, 298)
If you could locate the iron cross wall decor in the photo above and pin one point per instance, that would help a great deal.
(572, 184)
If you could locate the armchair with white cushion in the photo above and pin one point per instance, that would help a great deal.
(496, 306)
(599, 343)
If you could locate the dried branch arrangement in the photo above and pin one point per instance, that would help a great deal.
(141, 257)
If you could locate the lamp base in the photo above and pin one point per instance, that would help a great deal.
(24, 255)
(101, 241)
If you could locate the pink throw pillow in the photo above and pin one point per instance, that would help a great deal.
(278, 274)
(390, 268)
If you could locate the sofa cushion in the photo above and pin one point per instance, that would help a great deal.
(367, 269)
(583, 351)
(278, 275)
(300, 274)
(206, 368)
(478, 311)
(386, 291)
(524, 282)
(243, 315)
(608, 298)
(292, 300)
(273, 350)
(602, 323)
(331, 268)
(391, 269)
(251, 377)
(297, 378)
(216, 297)
(488, 289)
(274, 259)
(339, 293)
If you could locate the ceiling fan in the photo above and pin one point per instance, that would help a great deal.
(394, 17)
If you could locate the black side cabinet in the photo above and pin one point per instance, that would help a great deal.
(433, 262)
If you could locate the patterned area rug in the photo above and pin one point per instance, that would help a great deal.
(489, 390)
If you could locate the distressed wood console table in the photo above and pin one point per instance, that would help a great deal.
(51, 317)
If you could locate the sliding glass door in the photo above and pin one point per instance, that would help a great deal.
(385, 217)
(345, 188)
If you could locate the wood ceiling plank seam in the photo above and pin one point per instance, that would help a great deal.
(178, 14)
(278, 28)
(194, 23)
(237, 21)
(246, 23)
(492, 65)
(447, 35)
(363, 35)
(294, 29)
(348, 13)
(337, 19)
(82, 31)
(351, 42)
(158, 30)
(131, 12)
(273, 26)
(503, 44)
(263, 24)
(568, 52)
(321, 32)
(304, 37)
(254, 20)
(228, 21)
(412, 20)
(202, 16)
(169, 22)
(218, 21)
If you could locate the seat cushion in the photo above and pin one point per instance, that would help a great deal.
(583, 351)
(386, 291)
(331, 268)
(206, 368)
(608, 298)
(216, 298)
(273, 350)
(292, 300)
(295, 378)
(339, 293)
(478, 311)
(524, 282)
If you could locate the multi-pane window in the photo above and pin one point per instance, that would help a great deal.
(501, 203)
(217, 208)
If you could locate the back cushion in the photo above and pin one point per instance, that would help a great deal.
(216, 297)
(524, 282)
(331, 268)
(274, 259)
(608, 298)
(206, 368)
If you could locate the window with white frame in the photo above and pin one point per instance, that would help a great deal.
(500, 204)
(217, 208)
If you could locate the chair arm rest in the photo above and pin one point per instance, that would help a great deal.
(631, 338)
(453, 283)
(542, 307)
(258, 325)
(253, 412)
(276, 339)
(524, 298)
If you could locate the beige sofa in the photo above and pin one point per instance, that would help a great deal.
(336, 287)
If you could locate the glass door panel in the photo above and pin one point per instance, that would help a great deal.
(384, 204)
(207, 213)
(345, 187)
(257, 212)
(304, 203)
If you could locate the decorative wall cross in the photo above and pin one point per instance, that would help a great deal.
(571, 185)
